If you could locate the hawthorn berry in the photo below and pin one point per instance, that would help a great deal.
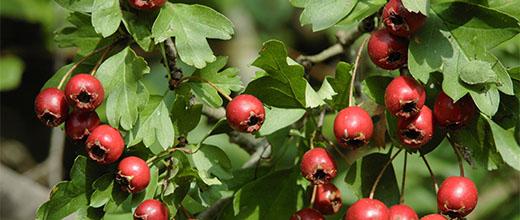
(386, 50)
(327, 199)
(146, 4)
(402, 212)
(416, 131)
(451, 114)
(367, 209)
(133, 174)
(318, 166)
(80, 124)
(353, 127)
(307, 214)
(84, 92)
(151, 209)
(105, 144)
(433, 217)
(404, 97)
(457, 196)
(51, 107)
(399, 21)
(245, 113)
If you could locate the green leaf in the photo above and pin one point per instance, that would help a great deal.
(363, 9)
(80, 34)
(322, 14)
(487, 100)
(138, 27)
(185, 116)
(106, 16)
(55, 79)
(417, 6)
(326, 91)
(212, 162)
(278, 118)
(76, 5)
(341, 85)
(506, 6)
(477, 72)
(103, 190)
(120, 75)
(273, 92)
(514, 72)
(375, 87)
(12, 69)
(506, 144)
(504, 82)
(191, 25)
(312, 98)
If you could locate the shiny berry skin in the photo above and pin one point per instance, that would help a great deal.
(51, 107)
(146, 4)
(80, 124)
(457, 196)
(367, 209)
(353, 127)
(318, 166)
(105, 144)
(402, 212)
(433, 217)
(453, 115)
(327, 199)
(84, 92)
(416, 131)
(151, 209)
(387, 51)
(404, 97)
(399, 21)
(245, 113)
(307, 214)
(133, 174)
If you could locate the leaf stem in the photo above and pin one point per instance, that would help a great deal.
(353, 78)
(401, 199)
(373, 190)
(457, 153)
(98, 63)
(219, 90)
(435, 184)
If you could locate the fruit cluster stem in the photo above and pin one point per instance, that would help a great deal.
(313, 196)
(435, 184)
(353, 78)
(401, 199)
(456, 150)
(98, 63)
(373, 190)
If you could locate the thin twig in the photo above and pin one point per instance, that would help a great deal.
(98, 63)
(457, 153)
(373, 190)
(353, 78)
(435, 185)
(401, 199)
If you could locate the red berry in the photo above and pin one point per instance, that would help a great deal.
(80, 124)
(51, 107)
(367, 209)
(133, 174)
(353, 127)
(84, 92)
(433, 217)
(402, 212)
(417, 131)
(245, 113)
(327, 199)
(404, 97)
(387, 51)
(453, 115)
(399, 21)
(457, 196)
(318, 166)
(105, 144)
(151, 209)
(147, 4)
(307, 214)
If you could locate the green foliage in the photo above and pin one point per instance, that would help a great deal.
(11, 74)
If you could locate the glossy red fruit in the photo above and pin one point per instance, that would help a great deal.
(133, 174)
(245, 113)
(367, 209)
(80, 124)
(307, 214)
(151, 209)
(51, 107)
(402, 212)
(84, 92)
(146, 4)
(353, 127)
(318, 166)
(433, 217)
(399, 21)
(453, 115)
(386, 50)
(404, 97)
(416, 131)
(105, 144)
(457, 196)
(327, 199)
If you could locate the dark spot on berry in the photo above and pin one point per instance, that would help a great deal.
(394, 57)
(410, 107)
(84, 97)
(355, 142)
(412, 134)
(319, 174)
(396, 19)
(123, 182)
(98, 152)
(253, 120)
(49, 118)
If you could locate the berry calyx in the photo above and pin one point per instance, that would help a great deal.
(245, 113)
(353, 127)
(417, 131)
(457, 196)
(105, 144)
(307, 214)
(386, 50)
(84, 92)
(146, 4)
(318, 166)
(51, 107)
(399, 21)
(151, 209)
(433, 217)
(80, 124)
(133, 174)
(327, 199)
(365, 209)
(402, 212)
(404, 97)
(451, 114)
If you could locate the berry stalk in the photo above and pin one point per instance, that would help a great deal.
(373, 190)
